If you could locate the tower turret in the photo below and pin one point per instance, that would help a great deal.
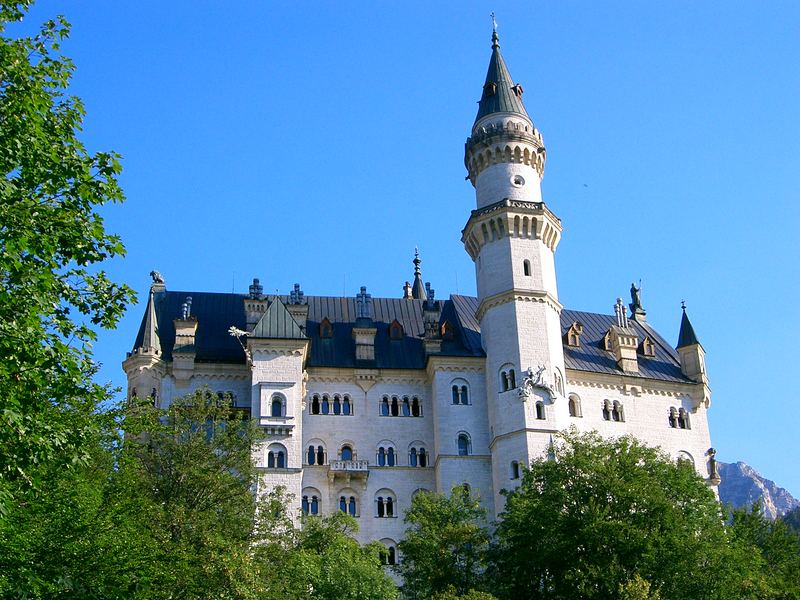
(505, 153)
(512, 237)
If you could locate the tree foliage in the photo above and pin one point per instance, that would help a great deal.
(613, 518)
(169, 511)
(53, 296)
(445, 544)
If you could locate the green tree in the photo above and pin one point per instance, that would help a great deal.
(445, 544)
(613, 519)
(53, 295)
(773, 555)
(792, 519)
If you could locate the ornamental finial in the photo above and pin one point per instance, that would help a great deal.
(495, 38)
(417, 261)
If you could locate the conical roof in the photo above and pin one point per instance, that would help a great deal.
(500, 94)
(148, 339)
(418, 289)
(687, 336)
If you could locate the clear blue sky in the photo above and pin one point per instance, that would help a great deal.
(320, 142)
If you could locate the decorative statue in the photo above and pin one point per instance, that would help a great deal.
(533, 380)
(156, 276)
(712, 464)
(636, 298)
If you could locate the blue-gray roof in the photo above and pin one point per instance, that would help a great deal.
(499, 93)
(216, 313)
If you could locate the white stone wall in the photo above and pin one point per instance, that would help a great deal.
(496, 183)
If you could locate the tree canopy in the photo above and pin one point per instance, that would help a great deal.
(444, 545)
(614, 518)
(53, 295)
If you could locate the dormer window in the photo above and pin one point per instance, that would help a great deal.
(490, 88)
(396, 330)
(326, 329)
(448, 331)
(607, 343)
(647, 347)
(517, 89)
(573, 335)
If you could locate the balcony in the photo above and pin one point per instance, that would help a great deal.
(348, 471)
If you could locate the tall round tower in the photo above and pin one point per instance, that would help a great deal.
(512, 237)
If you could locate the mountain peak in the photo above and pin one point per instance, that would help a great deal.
(742, 485)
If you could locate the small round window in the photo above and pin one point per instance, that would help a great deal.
(518, 180)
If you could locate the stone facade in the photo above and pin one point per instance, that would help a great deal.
(366, 401)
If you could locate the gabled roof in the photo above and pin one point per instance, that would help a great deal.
(277, 324)
(498, 95)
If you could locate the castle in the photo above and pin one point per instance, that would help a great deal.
(367, 400)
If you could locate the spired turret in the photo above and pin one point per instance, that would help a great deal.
(512, 237)
(505, 154)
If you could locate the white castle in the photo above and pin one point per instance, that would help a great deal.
(367, 400)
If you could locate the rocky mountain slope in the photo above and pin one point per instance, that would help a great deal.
(742, 485)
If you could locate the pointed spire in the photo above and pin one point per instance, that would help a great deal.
(418, 289)
(150, 341)
(687, 336)
(500, 93)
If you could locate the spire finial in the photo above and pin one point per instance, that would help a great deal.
(495, 38)
(683, 305)
(417, 261)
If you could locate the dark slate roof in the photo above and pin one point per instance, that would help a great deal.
(503, 99)
(277, 324)
(591, 356)
(687, 336)
(216, 313)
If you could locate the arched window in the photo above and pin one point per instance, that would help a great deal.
(540, 410)
(347, 452)
(395, 407)
(348, 503)
(574, 406)
(390, 456)
(385, 406)
(312, 455)
(346, 408)
(683, 418)
(412, 457)
(389, 557)
(460, 391)
(464, 445)
(514, 469)
(326, 405)
(685, 457)
(311, 501)
(276, 457)
(512, 379)
(606, 410)
(673, 417)
(415, 408)
(456, 395)
(526, 267)
(616, 413)
(464, 394)
(503, 381)
(385, 504)
(406, 407)
(320, 455)
(381, 457)
(315, 405)
(337, 405)
(558, 382)
(423, 457)
(277, 406)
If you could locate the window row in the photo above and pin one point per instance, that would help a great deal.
(324, 405)
(348, 502)
(385, 456)
(678, 418)
(393, 406)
